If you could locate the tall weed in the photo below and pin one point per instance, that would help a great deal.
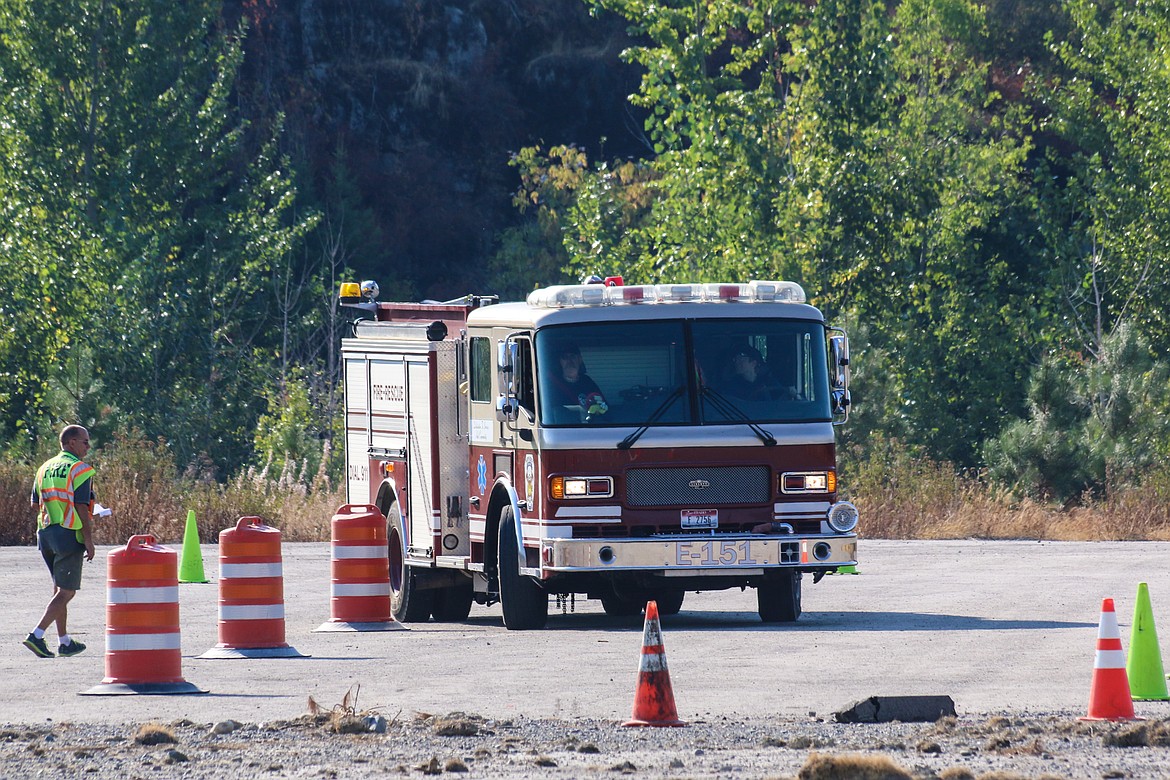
(900, 495)
(137, 479)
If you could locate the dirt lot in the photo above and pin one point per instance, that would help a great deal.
(1007, 629)
(415, 744)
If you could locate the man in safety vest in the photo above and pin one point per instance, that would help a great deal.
(63, 495)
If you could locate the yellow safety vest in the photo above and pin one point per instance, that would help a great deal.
(56, 481)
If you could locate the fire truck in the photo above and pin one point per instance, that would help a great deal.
(621, 442)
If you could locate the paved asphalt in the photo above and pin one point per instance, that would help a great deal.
(998, 626)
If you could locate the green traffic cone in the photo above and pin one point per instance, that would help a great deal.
(1143, 665)
(191, 565)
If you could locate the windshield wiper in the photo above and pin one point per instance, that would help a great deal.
(628, 442)
(728, 409)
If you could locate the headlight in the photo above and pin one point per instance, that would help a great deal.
(843, 517)
(808, 482)
(561, 488)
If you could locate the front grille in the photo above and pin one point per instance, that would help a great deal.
(707, 486)
(647, 531)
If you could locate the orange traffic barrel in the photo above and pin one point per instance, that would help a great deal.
(142, 622)
(251, 593)
(360, 593)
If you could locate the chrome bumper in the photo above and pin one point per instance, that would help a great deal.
(699, 554)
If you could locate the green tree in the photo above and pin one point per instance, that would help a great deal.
(1107, 217)
(715, 94)
(155, 211)
(861, 154)
(293, 436)
(917, 194)
(1094, 423)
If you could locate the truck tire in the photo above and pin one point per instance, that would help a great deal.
(778, 596)
(619, 606)
(669, 601)
(453, 604)
(523, 601)
(408, 602)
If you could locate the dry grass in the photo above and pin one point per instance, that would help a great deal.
(138, 481)
(821, 766)
(155, 734)
(903, 498)
(900, 498)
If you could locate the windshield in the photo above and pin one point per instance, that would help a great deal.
(682, 372)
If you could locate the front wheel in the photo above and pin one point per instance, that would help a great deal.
(618, 606)
(778, 596)
(524, 602)
(669, 601)
(453, 604)
(408, 602)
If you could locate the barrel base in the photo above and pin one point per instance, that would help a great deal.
(341, 625)
(222, 651)
(143, 689)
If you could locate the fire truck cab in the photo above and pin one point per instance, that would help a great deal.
(622, 442)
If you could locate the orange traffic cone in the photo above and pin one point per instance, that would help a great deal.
(1109, 697)
(654, 701)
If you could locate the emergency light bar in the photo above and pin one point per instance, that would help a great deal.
(570, 295)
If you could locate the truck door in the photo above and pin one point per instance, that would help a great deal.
(516, 455)
(421, 457)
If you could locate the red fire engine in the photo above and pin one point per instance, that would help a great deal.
(622, 442)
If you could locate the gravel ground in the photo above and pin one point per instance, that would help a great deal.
(988, 746)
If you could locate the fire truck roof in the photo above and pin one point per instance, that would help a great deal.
(595, 303)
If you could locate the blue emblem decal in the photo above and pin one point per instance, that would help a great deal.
(481, 474)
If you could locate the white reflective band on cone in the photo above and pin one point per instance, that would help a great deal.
(653, 662)
(1108, 628)
(1110, 659)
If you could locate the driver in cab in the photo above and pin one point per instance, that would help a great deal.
(574, 387)
(751, 380)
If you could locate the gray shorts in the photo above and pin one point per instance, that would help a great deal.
(63, 555)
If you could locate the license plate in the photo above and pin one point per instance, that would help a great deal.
(700, 518)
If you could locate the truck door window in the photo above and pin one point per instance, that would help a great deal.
(526, 389)
(480, 360)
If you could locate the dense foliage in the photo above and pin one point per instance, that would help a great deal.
(987, 214)
(975, 190)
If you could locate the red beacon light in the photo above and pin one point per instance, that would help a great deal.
(634, 293)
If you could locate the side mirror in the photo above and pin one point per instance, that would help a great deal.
(839, 399)
(507, 358)
(507, 363)
(507, 409)
(839, 362)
